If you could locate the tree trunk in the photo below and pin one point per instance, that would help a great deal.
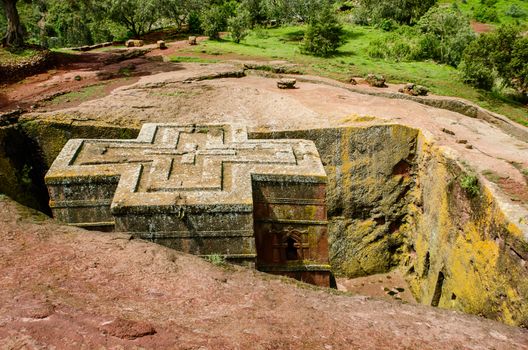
(15, 34)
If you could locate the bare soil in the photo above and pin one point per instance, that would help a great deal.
(479, 27)
(66, 288)
(387, 286)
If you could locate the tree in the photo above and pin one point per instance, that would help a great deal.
(324, 34)
(256, 10)
(213, 21)
(402, 11)
(15, 32)
(214, 18)
(138, 16)
(501, 54)
(180, 10)
(518, 65)
(238, 25)
(286, 11)
(447, 33)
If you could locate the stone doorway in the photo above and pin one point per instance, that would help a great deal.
(290, 226)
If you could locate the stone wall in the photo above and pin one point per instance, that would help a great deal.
(466, 255)
(395, 200)
(370, 175)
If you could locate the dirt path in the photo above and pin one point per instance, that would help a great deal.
(66, 288)
(74, 73)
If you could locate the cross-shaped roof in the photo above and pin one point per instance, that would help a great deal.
(171, 165)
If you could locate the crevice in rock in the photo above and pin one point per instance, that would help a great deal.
(438, 289)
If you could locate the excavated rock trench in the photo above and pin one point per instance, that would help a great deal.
(395, 200)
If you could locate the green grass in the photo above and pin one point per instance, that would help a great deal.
(352, 60)
(191, 59)
(85, 94)
(502, 6)
(9, 57)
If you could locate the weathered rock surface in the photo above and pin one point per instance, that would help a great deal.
(64, 287)
(134, 43)
(376, 80)
(480, 240)
(414, 90)
(286, 83)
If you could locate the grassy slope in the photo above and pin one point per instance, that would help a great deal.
(352, 60)
(502, 6)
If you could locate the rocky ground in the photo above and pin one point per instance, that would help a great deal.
(218, 93)
(63, 287)
(67, 288)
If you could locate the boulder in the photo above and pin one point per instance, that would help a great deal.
(192, 40)
(134, 43)
(286, 83)
(414, 90)
(161, 45)
(376, 80)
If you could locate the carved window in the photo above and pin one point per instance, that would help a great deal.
(289, 245)
(292, 247)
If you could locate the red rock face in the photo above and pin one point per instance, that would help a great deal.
(291, 230)
(64, 288)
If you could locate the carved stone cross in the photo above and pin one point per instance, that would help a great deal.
(188, 187)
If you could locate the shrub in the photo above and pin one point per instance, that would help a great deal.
(447, 33)
(518, 65)
(394, 47)
(213, 21)
(323, 35)
(515, 11)
(377, 49)
(260, 32)
(477, 73)
(470, 184)
(499, 55)
(195, 24)
(360, 16)
(239, 25)
(387, 25)
(401, 11)
(216, 259)
(486, 14)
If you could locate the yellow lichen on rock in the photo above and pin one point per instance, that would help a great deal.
(467, 254)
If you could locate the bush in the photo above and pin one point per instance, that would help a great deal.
(360, 16)
(518, 65)
(401, 11)
(195, 24)
(216, 259)
(213, 21)
(387, 25)
(470, 184)
(477, 73)
(515, 11)
(260, 32)
(497, 56)
(239, 25)
(293, 11)
(447, 33)
(393, 47)
(486, 14)
(378, 49)
(323, 35)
